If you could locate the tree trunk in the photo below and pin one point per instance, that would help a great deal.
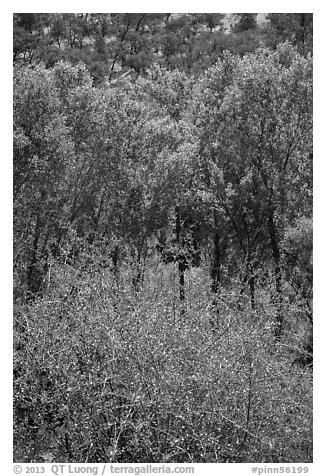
(181, 257)
(34, 276)
(216, 266)
(216, 270)
(277, 272)
(301, 34)
(251, 281)
(140, 263)
(249, 278)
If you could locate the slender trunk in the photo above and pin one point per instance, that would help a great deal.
(182, 280)
(302, 31)
(309, 312)
(252, 285)
(249, 278)
(277, 272)
(115, 259)
(181, 258)
(118, 52)
(141, 259)
(195, 254)
(34, 278)
(216, 267)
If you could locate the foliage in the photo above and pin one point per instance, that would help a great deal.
(162, 238)
(115, 45)
(294, 27)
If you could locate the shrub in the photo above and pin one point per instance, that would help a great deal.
(114, 374)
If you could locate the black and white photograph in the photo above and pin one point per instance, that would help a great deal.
(163, 239)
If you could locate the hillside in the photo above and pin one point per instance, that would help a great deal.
(163, 238)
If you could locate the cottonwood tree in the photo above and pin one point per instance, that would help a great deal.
(297, 263)
(296, 28)
(254, 152)
(62, 172)
(270, 119)
(169, 91)
(42, 149)
(204, 112)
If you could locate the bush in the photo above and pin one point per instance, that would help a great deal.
(111, 373)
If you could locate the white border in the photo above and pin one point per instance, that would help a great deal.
(319, 197)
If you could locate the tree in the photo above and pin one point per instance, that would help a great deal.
(170, 92)
(253, 117)
(29, 35)
(296, 28)
(41, 148)
(208, 95)
(244, 22)
(270, 106)
(297, 259)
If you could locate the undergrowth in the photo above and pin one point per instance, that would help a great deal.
(105, 371)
